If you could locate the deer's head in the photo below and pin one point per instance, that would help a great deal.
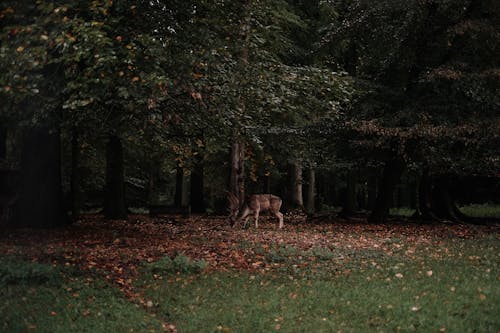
(233, 208)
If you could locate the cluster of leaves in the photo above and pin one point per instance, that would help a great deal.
(422, 68)
(177, 77)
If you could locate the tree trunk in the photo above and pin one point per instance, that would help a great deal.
(76, 178)
(237, 175)
(295, 186)
(180, 188)
(424, 210)
(311, 191)
(267, 184)
(114, 204)
(443, 204)
(197, 198)
(40, 197)
(3, 142)
(435, 201)
(350, 204)
(390, 177)
(154, 181)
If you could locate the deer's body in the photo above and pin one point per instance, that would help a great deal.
(254, 205)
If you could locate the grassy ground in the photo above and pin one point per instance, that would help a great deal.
(43, 298)
(473, 210)
(365, 292)
(482, 210)
(335, 277)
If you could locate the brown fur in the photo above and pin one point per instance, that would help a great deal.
(254, 205)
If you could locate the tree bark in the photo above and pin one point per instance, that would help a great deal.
(3, 142)
(436, 202)
(237, 175)
(40, 198)
(180, 188)
(311, 191)
(350, 202)
(296, 199)
(197, 198)
(443, 204)
(267, 184)
(390, 177)
(114, 204)
(76, 177)
(424, 209)
(154, 181)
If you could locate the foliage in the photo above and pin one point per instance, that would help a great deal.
(79, 58)
(425, 95)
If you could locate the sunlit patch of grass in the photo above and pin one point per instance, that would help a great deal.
(482, 210)
(473, 210)
(402, 211)
(43, 298)
(448, 287)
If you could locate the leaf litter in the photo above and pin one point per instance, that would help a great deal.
(117, 249)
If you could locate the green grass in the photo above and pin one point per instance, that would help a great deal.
(449, 285)
(179, 263)
(41, 298)
(366, 293)
(482, 210)
(473, 210)
(402, 211)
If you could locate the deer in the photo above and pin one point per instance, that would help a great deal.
(254, 205)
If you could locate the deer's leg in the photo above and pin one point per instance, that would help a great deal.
(280, 219)
(245, 222)
(256, 216)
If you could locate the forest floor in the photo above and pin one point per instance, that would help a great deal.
(172, 266)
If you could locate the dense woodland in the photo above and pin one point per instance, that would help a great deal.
(358, 104)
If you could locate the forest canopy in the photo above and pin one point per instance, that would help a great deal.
(120, 103)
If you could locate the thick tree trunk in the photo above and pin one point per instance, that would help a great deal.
(180, 188)
(197, 198)
(442, 204)
(3, 142)
(40, 197)
(390, 177)
(435, 202)
(350, 201)
(237, 175)
(267, 184)
(76, 178)
(424, 209)
(413, 193)
(295, 199)
(153, 184)
(311, 191)
(114, 201)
